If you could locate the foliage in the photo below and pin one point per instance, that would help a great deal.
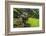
(33, 22)
(26, 17)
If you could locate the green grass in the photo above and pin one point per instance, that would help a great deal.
(33, 22)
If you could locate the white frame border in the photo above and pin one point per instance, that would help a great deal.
(25, 29)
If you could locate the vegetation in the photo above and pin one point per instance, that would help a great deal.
(33, 22)
(25, 17)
